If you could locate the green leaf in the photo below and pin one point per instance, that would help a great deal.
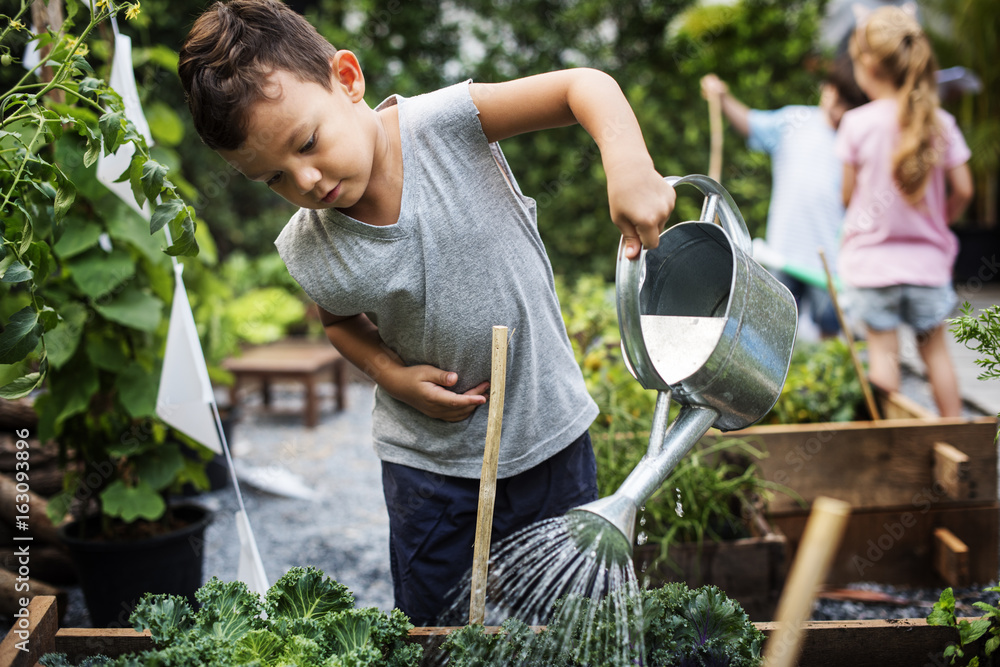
(64, 199)
(160, 466)
(135, 170)
(164, 213)
(93, 152)
(132, 502)
(306, 593)
(943, 612)
(137, 389)
(133, 308)
(970, 632)
(153, 174)
(107, 353)
(112, 128)
(98, 273)
(165, 124)
(21, 387)
(61, 342)
(20, 336)
(16, 273)
(77, 237)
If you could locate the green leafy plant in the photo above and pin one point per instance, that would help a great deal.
(85, 284)
(821, 386)
(980, 333)
(682, 627)
(306, 618)
(968, 648)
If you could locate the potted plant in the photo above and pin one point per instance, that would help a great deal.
(85, 291)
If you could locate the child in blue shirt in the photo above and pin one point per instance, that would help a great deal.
(806, 208)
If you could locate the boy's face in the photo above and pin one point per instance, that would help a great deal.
(832, 106)
(310, 145)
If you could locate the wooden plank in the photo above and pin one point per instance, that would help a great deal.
(884, 643)
(897, 406)
(896, 545)
(951, 558)
(871, 464)
(79, 643)
(31, 637)
(951, 471)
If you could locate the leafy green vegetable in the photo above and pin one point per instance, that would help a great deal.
(683, 627)
(306, 619)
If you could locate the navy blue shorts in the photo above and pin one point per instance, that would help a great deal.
(432, 520)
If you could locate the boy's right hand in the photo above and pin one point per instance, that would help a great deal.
(425, 388)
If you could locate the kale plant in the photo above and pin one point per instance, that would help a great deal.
(980, 333)
(306, 619)
(683, 627)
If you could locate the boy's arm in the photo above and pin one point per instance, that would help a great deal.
(737, 112)
(639, 199)
(422, 387)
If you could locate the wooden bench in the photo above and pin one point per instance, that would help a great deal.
(298, 361)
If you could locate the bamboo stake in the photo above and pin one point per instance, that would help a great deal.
(488, 478)
(715, 126)
(858, 368)
(824, 529)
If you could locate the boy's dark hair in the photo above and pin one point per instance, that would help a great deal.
(840, 75)
(229, 53)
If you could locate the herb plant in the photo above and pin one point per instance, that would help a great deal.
(305, 619)
(980, 333)
(969, 632)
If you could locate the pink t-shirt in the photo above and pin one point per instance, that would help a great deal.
(887, 241)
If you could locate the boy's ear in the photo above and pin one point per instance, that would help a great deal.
(345, 72)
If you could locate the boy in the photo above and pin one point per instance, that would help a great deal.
(806, 209)
(414, 240)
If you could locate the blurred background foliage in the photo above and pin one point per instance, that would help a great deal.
(767, 50)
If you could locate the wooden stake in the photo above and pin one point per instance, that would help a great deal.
(858, 368)
(824, 529)
(715, 126)
(488, 478)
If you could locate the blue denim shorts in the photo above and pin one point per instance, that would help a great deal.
(885, 308)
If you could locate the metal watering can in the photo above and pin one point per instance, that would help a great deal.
(702, 323)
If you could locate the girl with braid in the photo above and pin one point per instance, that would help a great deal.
(906, 179)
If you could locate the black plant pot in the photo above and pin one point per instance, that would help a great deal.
(114, 575)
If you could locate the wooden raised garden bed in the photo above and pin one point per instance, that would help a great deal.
(750, 570)
(903, 642)
(923, 492)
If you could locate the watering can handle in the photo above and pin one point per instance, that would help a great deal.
(732, 220)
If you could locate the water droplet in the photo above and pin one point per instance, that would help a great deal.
(642, 521)
(678, 507)
(641, 538)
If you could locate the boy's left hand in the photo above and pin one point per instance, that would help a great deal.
(641, 201)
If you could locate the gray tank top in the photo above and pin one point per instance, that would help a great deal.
(465, 255)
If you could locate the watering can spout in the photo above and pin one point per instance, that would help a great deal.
(620, 508)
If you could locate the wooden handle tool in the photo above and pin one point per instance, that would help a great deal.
(824, 529)
(488, 478)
